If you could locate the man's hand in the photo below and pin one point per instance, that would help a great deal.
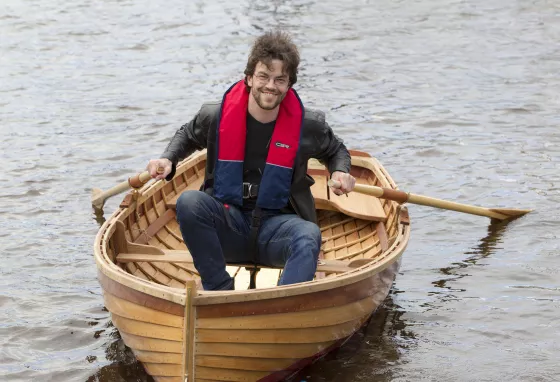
(159, 168)
(345, 182)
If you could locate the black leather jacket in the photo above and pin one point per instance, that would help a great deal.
(317, 141)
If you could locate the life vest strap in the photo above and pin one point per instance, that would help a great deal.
(253, 244)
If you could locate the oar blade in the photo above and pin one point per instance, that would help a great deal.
(510, 213)
(97, 199)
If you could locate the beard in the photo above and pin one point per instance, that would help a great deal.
(266, 101)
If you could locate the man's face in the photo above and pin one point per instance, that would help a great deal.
(269, 85)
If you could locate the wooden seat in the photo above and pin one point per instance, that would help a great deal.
(177, 256)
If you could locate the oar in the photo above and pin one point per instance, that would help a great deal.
(98, 196)
(403, 197)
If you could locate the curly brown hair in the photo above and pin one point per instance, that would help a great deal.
(274, 46)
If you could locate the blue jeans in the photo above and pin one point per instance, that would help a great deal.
(284, 240)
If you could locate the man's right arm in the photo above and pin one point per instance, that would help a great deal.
(187, 139)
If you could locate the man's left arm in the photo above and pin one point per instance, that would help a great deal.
(332, 152)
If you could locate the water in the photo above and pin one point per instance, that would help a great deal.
(458, 99)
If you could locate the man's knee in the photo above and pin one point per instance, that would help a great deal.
(313, 231)
(305, 247)
(310, 233)
(191, 204)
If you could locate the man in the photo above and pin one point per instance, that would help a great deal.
(255, 204)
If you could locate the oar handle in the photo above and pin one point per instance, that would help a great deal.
(139, 180)
(378, 192)
(98, 196)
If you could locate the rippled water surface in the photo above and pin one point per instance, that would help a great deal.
(458, 99)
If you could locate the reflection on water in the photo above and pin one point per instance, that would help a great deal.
(123, 367)
(98, 216)
(486, 246)
(371, 353)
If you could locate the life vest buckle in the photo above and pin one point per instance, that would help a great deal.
(250, 191)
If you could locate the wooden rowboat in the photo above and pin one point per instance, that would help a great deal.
(180, 332)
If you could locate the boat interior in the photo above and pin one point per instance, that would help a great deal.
(356, 229)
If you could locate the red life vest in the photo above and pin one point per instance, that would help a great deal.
(274, 189)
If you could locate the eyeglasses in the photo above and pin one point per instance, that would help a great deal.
(265, 79)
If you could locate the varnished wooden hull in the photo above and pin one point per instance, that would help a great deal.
(266, 334)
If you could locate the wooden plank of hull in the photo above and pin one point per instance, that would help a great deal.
(158, 357)
(151, 344)
(279, 336)
(283, 373)
(144, 329)
(137, 312)
(169, 379)
(261, 350)
(276, 368)
(311, 301)
(244, 363)
(229, 374)
(306, 319)
(163, 369)
(129, 294)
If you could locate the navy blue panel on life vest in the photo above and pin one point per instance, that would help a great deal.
(274, 190)
(228, 187)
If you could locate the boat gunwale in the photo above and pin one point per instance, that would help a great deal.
(176, 295)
